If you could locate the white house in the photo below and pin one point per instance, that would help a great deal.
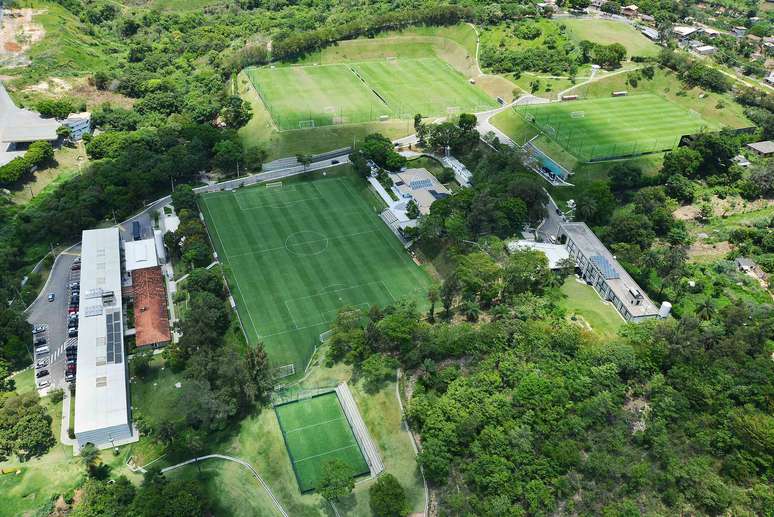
(79, 124)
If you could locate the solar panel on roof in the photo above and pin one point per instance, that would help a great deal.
(607, 269)
(417, 184)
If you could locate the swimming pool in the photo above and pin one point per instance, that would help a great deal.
(546, 161)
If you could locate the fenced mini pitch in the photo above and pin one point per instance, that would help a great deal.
(615, 127)
(295, 253)
(300, 97)
(316, 430)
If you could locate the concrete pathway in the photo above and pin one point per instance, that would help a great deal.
(249, 467)
(64, 437)
(399, 374)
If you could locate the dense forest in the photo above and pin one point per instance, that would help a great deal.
(519, 411)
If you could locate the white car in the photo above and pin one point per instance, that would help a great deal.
(44, 384)
(41, 363)
(43, 350)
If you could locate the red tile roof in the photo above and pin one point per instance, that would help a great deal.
(151, 317)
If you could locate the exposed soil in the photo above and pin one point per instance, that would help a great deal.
(700, 251)
(17, 34)
(723, 207)
(77, 88)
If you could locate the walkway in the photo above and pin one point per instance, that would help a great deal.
(235, 460)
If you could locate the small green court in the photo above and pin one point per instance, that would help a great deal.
(295, 254)
(614, 127)
(316, 430)
(301, 97)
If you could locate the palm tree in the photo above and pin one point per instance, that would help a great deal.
(471, 310)
(706, 309)
(500, 312)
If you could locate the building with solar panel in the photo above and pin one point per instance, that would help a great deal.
(102, 408)
(600, 268)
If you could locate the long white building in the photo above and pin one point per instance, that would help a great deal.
(102, 409)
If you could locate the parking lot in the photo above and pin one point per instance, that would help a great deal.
(52, 316)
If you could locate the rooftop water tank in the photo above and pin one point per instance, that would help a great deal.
(665, 309)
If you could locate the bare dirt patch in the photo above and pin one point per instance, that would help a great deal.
(723, 207)
(17, 34)
(704, 252)
(77, 88)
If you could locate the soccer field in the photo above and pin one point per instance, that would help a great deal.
(294, 255)
(309, 96)
(315, 431)
(613, 127)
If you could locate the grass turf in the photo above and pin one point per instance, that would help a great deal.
(582, 301)
(294, 256)
(362, 92)
(607, 32)
(613, 127)
(317, 431)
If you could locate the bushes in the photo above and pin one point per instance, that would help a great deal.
(38, 153)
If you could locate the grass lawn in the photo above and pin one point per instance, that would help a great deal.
(316, 431)
(583, 302)
(66, 166)
(612, 127)
(301, 96)
(294, 255)
(607, 32)
(258, 440)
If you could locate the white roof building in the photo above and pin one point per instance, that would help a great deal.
(140, 254)
(20, 126)
(555, 253)
(683, 31)
(102, 410)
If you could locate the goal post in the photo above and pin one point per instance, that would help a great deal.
(306, 124)
(284, 371)
(274, 185)
(578, 114)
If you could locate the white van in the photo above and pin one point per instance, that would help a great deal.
(43, 350)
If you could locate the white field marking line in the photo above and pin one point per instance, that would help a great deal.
(290, 330)
(281, 205)
(315, 425)
(236, 280)
(340, 212)
(335, 291)
(283, 247)
(328, 452)
(325, 321)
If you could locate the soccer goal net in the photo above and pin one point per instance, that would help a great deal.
(578, 114)
(325, 335)
(305, 124)
(284, 371)
(392, 59)
(274, 185)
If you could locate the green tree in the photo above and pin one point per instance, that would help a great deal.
(683, 161)
(235, 113)
(412, 210)
(89, 458)
(387, 497)
(184, 198)
(336, 481)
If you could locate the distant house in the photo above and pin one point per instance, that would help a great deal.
(20, 127)
(705, 50)
(630, 11)
(598, 3)
(647, 18)
(739, 31)
(709, 31)
(750, 267)
(741, 160)
(683, 32)
(765, 148)
(770, 78)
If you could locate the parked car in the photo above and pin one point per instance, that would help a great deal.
(72, 323)
(71, 360)
(42, 363)
(334, 162)
(40, 341)
(74, 285)
(72, 309)
(75, 267)
(51, 297)
(73, 332)
(71, 367)
(41, 373)
(69, 377)
(44, 384)
(37, 329)
(43, 350)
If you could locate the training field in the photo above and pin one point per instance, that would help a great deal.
(315, 431)
(613, 127)
(294, 255)
(309, 96)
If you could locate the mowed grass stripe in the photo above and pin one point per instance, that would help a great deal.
(316, 431)
(269, 276)
(618, 125)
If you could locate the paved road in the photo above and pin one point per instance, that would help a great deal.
(550, 226)
(54, 314)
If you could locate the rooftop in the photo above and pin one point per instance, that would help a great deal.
(20, 125)
(553, 252)
(101, 382)
(421, 186)
(616, 276)
(140, 254)
(765, 147)
(684, 30)
(151, 316)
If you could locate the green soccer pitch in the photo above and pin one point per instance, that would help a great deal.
(598, 129)
(315, 431)
(300, 97)
(296, 254)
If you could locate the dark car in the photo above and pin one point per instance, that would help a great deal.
(334, 162)
(73, 332)
(41, 373)
(40, 341)
(71, 367)
(71, 360)
(70, 376)
(72, 323)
